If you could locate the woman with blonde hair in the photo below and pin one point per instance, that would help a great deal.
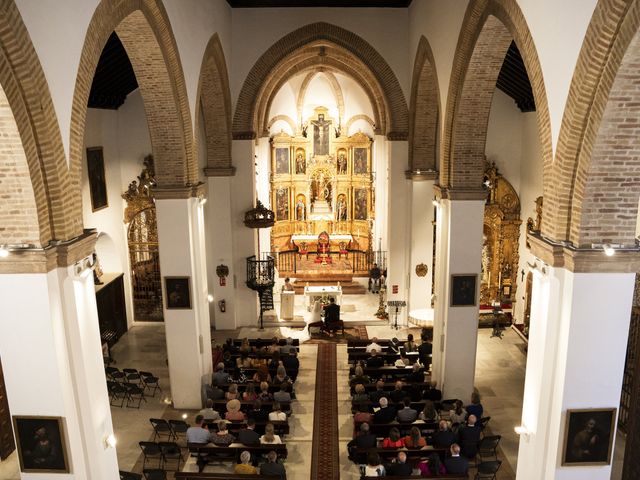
(269, 437)
(232, 393)
(233, 411)
(264, 394)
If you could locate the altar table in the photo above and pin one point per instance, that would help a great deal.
(311, 294)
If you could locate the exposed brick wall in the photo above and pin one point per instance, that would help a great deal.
(245, 121)
(467, 111)
(26, 89)
(143, 27)
(584, 133)
(18, 217)
(424, 114)
(608, 199)
(215, 102)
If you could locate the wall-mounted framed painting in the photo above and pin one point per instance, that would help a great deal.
(463, 290)
(97, 179)
(588, 437)
(42, 444)
(178, 293)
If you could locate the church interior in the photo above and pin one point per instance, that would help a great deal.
(216, 209)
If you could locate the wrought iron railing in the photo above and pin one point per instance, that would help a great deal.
(287, 262)
(260, 273)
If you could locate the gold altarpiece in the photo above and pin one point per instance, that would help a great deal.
(501, 233)
(321, 181)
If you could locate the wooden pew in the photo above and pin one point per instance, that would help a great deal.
(265, 342)
(233, 451)
(449, 476)
(381, 430)
(413, 454)
(229, 476)
(388, 357)
(386, 371)
(280, 428)
(220, 406)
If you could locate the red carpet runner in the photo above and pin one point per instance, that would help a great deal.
(325, 459)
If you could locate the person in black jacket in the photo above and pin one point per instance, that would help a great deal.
(257, 413)
(291, 365)
(248, 436)
(399, 466)
(469, 437)
(332, 316)
(364, 440)
(375, 361)
(456, 463)
(386, 414)
(444, 437)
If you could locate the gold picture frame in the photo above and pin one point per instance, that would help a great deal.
(42, 444)
(588, 437)
(177, 291)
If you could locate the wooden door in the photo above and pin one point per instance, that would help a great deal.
(7, 444)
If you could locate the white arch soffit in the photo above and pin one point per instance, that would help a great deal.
(335, 86)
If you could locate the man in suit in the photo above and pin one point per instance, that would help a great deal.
(332, 316)
(469, 437)
(399, 466)
(375, 361)
(364, 440)
(444, 437)
(379, 392)
(386, 414)
(455, 463)
(407, 414)
(248, 436)
(291, 365)
(424, 353)
(272, 467)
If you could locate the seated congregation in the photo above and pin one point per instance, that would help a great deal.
(402, 426)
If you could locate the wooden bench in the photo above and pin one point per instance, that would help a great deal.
(265, 342)
(381, 430)
(233, 451)
(388, 357)
(246, 405)
(280, 428)
(449, 476)
(229, 476)
(385, 371)
(413, 454)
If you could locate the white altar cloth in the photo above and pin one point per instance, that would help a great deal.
(313, 293)
(342, 237)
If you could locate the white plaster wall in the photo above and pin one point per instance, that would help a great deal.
(384, 29)
(513, 144)
(124, 136)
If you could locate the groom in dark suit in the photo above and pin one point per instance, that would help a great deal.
(332, 317)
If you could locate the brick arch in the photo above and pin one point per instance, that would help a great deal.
(488, 28)
(215, 103)
(335, 86)
(594, 183)
(307, 59)
(245, 122)
(144, 30)
(424, 110)
(45, 206)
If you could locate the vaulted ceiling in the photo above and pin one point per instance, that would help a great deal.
(514, 81)
(114, 78)
(319, 3)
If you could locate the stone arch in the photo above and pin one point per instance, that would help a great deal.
(321, 44)
(424, 110)
(601, 96)
(144, 30)
(355, 118)
(284, 118)
(49, 207)
(215, 103)
(335, 86)
(488, 28)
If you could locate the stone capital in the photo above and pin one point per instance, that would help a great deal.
(229, 171)
(445, 193)
(179, 193)
(419, 175)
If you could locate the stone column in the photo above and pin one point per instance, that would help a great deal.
(577, 350)
(182, 254)
(421, 224)
(51, 351)
(398, 239)
(459, 252)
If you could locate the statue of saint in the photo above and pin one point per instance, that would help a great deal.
(301, 166)
(300, 210)
(341, 209)
(342, 164)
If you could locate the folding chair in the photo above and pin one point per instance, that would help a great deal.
(483, 422)
(154, 474)
(130, 476)
(488, 447)
(134, 393)
(110, 370)
(179, 428)
(171, 451)
(161, 427)
(488, 470)
(116, 391)
(150, 450)
(151, 382)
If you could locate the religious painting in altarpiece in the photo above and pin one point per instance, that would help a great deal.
(322, 180)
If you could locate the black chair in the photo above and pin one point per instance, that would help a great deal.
(482, 423)
(118, 376)
(130, 476)
(488, 470)
(161, 427)
(170, 452)
(179, 428)
(150, 451)
(151, 382)
(134, 392)
(135, 379)
(154, 474)
(488, 447)
(110, 370)
(116, 392)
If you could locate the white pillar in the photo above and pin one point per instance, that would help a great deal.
(577, 350)
(398, 240)
(220, 251)
(182, 254)
(421, 243)
(52, 360)
(381, 185)
(458, 252)
(243, 197)
(263, 186)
